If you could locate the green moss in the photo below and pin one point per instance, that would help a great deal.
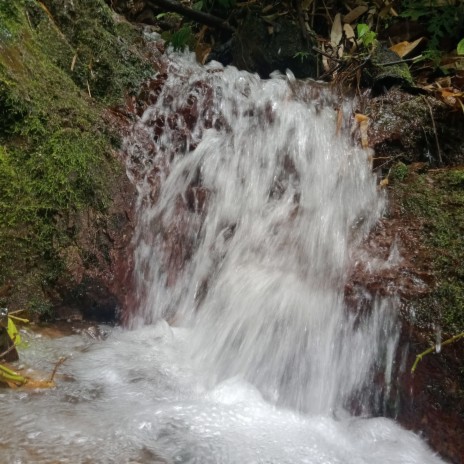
(437, 200)
(399, 172)
(54, 148)
(106, 58)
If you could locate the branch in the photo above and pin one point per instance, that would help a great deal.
(434, 348)
(198, 16)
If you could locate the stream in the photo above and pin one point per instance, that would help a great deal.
(253, 203)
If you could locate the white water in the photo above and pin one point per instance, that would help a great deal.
(262, 361)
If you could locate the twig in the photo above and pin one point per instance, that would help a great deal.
(390, 63)
(330, 57)
(11, 348)
(434, 130)
(16, 312)
(20, 319)
(57, 365)
(434, 348)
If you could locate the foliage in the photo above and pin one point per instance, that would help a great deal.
(302, 55)
(399, 172)
(443, 18)
(460, 47)
(181, 38)
(366, 35)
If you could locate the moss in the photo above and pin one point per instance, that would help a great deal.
(54, 148)
(437, 200)
(399, 172)
(105, 51)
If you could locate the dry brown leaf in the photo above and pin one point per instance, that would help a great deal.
(383, 183)
(354, 14)
(336, 33)
(451, 93)
(349, 33)
(405, 48)
(363, 122)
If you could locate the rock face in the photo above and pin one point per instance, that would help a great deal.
(264, 47)
(414, 128)
(420, 241)
(66, 200)
(95, 281)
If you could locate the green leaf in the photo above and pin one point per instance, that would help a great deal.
(362, 30)
(181, 38)
(460, 47)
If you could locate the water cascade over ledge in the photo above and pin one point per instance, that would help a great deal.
(259, 208)
(253, 203)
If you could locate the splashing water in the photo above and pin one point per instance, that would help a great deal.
(251, 207)
(262, 276)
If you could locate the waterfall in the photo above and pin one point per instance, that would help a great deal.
(253, 200)
(253, 204)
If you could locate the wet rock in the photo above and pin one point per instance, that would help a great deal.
(399, 259)
(380, 74)
(413, 128)
(263, 48)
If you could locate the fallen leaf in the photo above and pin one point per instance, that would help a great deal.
(336, 33)
(354, 14)
(383, 183)
(349, 32)
(363, 122)
(405, 48)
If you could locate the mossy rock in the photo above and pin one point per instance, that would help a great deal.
(60, 62)
(380, 74)
(436, 200)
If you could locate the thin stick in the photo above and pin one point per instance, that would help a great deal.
(330, 57)
(11, 348)
(57, 365)
(434, 348)
(434, 129)
(20, 319)
(390, 63)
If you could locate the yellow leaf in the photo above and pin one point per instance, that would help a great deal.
(405, 48)
(13, 332)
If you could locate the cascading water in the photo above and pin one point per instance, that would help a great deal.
(252, 206)
(261, 277)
